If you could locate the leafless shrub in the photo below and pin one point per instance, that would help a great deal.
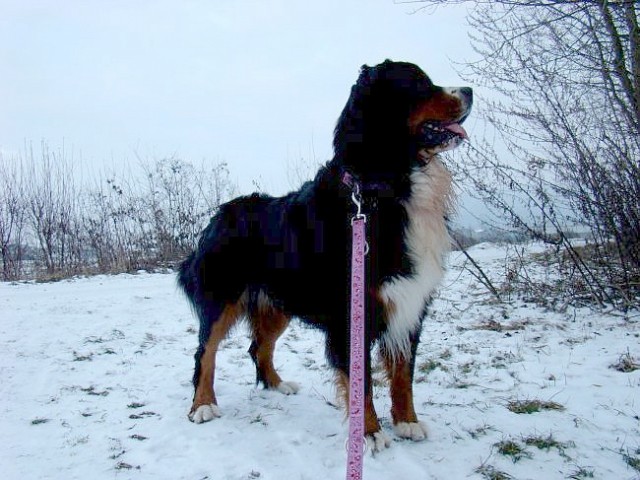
(181, 199)
(137, 223)
(561, 84)
(117, 226)
(119, 223)
(52, 210)
(12, 219)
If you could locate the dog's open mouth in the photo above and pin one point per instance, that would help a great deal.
(440, 133)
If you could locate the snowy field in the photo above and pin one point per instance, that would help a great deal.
(95, 383)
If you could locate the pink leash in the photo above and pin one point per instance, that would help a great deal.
(356, 442)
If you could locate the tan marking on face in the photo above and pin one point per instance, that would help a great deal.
(440, 107)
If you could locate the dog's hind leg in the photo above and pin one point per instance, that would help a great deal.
(267, 324)
(205, 405)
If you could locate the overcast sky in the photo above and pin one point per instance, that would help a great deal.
(256, 83)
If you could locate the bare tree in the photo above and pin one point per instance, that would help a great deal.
(52, 206)
(12, 218)
(135, 223)
(181, 199)
(562, 85)
(120, 223)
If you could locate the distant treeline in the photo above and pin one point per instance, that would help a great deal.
(54, 225)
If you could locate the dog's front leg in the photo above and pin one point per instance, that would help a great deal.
(377, 440)
(400, 374)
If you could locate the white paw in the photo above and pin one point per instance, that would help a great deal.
(378, 442)
(415, 431)
(288, 388)
(204, 413)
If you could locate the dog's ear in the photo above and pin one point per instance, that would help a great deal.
(363, 84)
(365, 74)
(368, 74)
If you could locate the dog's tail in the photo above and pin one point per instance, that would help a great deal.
(190, 283)
(187, 278)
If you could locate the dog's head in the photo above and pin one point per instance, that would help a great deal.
(395, 113)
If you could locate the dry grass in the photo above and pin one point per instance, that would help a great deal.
(632, 459)
(512, 449)
(626, 363)
(533, 406)
(492, 473)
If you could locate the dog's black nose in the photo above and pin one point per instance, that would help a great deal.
(467, 94)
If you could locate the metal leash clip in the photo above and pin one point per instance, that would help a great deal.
(356, 198)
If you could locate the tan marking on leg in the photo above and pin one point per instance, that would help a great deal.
(268, 324)
(371, 423)
(399, 374)
(342, 389)
(205, 394)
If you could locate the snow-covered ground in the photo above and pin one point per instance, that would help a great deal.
(95, 383)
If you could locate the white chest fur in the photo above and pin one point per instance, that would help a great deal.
(427, 241)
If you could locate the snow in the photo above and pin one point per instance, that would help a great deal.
(95, 383)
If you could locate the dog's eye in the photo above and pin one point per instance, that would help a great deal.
(424, 88)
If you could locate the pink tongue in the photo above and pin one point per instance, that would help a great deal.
(457, 129)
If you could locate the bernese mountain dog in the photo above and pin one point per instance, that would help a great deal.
(268, 259)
